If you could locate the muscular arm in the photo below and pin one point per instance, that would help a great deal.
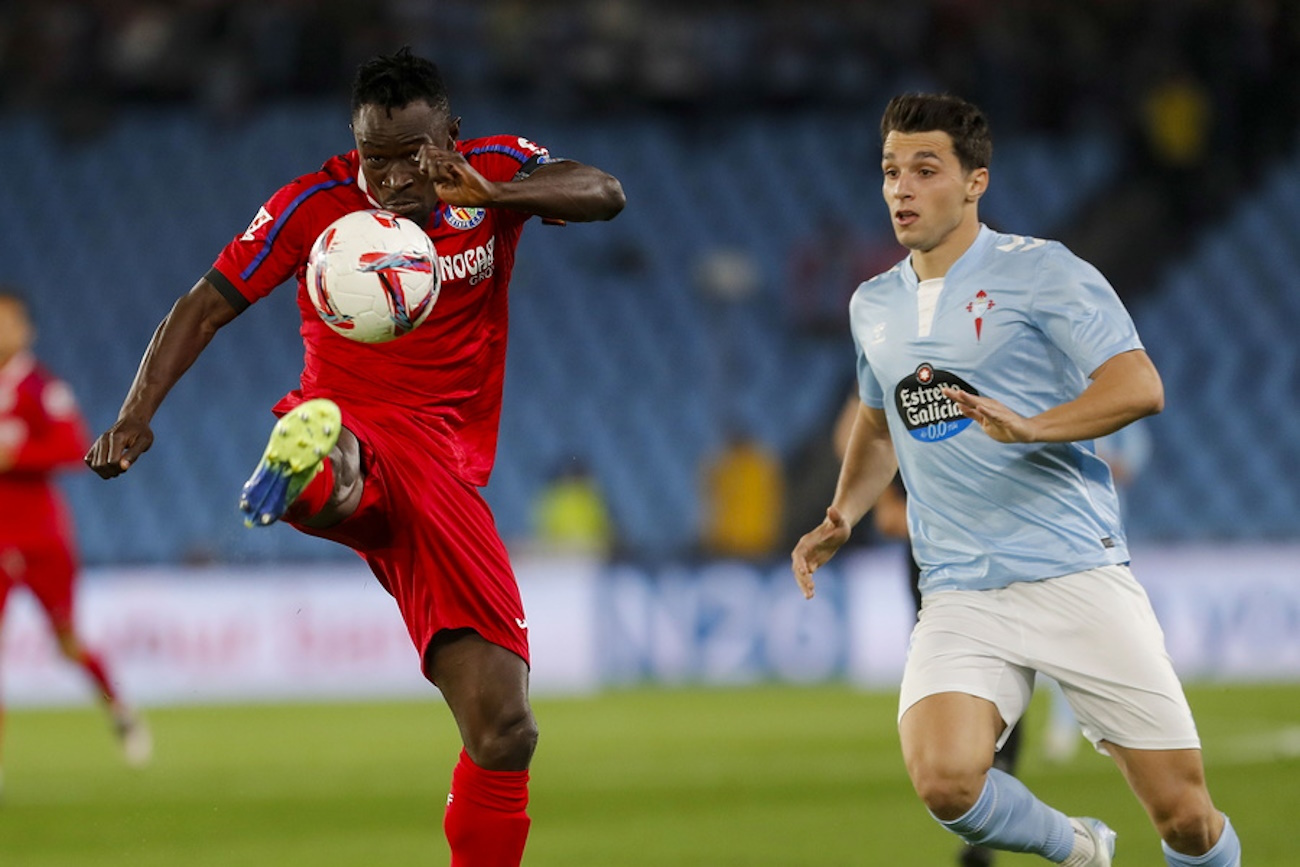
(180, 338)
(1125, 388)
(563, 190)
(869, 466)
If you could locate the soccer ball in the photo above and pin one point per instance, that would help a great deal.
(373, 276)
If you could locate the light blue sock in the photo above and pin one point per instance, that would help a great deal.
(1007, 816)
(1226, 852)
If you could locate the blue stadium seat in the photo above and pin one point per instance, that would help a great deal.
(622, 363)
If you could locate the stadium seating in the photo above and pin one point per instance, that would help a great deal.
(616, 356)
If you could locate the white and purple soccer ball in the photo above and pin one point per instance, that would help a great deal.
(373, 276)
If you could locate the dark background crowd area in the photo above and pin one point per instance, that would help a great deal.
(1157, 139)
(1037, 65)
(1203, 93)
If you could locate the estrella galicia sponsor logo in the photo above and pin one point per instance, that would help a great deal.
(463, 218)
(928, 415)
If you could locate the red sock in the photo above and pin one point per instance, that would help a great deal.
(94, 667)
(486, 823)
(313, 497)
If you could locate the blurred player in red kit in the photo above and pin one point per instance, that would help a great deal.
(383, 447)
(41, 433)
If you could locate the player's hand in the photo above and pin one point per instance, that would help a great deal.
(118, 448)
(455, 181)
(818, 546)
(993, 416)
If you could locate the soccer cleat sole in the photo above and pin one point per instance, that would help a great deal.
(300, 443)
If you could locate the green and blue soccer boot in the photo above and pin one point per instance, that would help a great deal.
(300, 444)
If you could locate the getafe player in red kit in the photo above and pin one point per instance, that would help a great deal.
(383, 447)
(41, 433)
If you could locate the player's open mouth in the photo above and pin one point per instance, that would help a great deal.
(905, 218)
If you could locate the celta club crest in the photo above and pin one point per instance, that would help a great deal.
(977, 308)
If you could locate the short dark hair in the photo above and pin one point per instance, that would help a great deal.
(396, 80)
(963, 121)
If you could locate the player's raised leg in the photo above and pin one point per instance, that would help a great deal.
(486, 687)
(311, 462)
(948, 740)
(1171, 786)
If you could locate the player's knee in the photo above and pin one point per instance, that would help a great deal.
(506, 745)
(346, 460)
(348, 476)
(947, 793)
(1188, 827)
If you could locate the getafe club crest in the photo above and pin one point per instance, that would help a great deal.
(463, 218)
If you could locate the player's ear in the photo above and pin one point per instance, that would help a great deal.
(453, 130)
(977, 182)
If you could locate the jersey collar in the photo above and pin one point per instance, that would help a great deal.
(983, 240)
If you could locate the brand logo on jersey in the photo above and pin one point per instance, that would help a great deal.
(978, 306)
(463, 218)
(927, 414)
(262, 218)
(475, 264)
(532, 148)
(1020, 243)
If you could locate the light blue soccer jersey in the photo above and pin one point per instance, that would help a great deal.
(1024, 321)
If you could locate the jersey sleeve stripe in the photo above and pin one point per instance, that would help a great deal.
(498, 149)
(284, 218)
(227, 289)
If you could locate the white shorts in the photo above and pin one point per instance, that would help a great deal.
(1093, 631)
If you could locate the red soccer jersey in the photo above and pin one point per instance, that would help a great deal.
(451, 369)
(43, 431)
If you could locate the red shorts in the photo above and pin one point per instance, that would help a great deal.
(429, 537)
(48, 571)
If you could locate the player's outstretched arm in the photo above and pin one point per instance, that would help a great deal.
(182, 335)
(562, 190)
(1125, 388)
(869, 466)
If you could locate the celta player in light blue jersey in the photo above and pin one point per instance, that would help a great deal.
(987, 364)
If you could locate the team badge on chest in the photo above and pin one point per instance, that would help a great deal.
(978, 308)
(463, 218)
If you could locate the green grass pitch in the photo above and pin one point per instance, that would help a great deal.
(765, 775)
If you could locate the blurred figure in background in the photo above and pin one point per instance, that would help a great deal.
(41, 433)
(570, 516)
(743, 496)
